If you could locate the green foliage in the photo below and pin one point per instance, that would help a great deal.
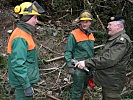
(3, 62)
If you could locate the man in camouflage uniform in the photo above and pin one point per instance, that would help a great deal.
(111, 64)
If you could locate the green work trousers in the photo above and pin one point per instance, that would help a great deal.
(80, 82)
(19, 92)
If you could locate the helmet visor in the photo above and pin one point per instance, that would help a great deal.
(36, 7)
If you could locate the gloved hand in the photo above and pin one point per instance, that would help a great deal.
(91, 82)
(71, 70)
(29, 91)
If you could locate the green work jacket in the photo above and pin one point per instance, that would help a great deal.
(111, 64)
(22, 63)
(79, 46)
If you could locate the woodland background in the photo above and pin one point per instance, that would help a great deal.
(51, 38)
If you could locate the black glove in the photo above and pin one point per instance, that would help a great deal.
(29, 91)
(71, 69)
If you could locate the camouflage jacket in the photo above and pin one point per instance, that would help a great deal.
(111, 64)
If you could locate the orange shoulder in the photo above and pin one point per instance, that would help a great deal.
(81, 36)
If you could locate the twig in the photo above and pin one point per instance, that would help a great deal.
(103, 6)
(61, 41)
(50, 60)
(123, 8)
(130, 1)
(51, 50)
(99, 20)
(54, 68)
(66, 85)
(97, 16)
(57, 78)
(63, 16)
(129, 74)
(50, 72)
(39, 83)
(3, 54)
(45, 92)
(99, 46)
(4, 76)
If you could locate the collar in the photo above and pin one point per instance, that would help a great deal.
(86, 31)
(26, 27)
(116, 35)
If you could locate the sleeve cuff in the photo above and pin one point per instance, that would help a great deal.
(26, 85)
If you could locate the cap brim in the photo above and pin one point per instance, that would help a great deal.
(86, 19)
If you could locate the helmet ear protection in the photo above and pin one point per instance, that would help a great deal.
(29, 8)
(17, 9)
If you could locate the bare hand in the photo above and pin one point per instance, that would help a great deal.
(80, 64)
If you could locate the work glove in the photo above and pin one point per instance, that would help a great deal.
(71, 69)
(29, 91)
(91, 82)
(12, 91)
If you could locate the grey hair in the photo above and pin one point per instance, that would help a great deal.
(121, 23)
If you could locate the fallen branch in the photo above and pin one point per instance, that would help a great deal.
(62, 57)
(50, 60)
(61, 41)
(51, 50)
(64, 86)
(49, 72)
(63, 16)
(99, 46)
(57, 78)
(54, 69)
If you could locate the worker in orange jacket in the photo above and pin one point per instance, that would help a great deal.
(23, 69)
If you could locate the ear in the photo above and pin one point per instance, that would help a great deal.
(119, 25)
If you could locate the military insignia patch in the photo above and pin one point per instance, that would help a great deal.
(121, 38)
(112, 18)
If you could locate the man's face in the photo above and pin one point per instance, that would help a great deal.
(112, 28)
(34, 20)
(85, 24)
